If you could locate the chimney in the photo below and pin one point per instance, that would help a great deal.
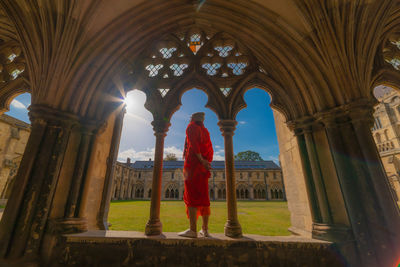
(128, 160)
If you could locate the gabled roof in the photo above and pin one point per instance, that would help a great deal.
(218, 164)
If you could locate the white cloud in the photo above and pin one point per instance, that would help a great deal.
(242, 122)
(147, 154)
(217, 147)
(17, 104)
(219, 154)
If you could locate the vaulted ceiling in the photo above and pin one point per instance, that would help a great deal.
(315, 55)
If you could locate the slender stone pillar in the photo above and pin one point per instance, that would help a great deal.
(320, 190)
(232, 226)
(154, 226)
(102, 219)
(309, 181)
(72, 221)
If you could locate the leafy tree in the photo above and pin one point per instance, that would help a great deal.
(170, 157)
(248, 155)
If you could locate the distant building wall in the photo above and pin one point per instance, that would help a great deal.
(14, 135)
(386, 133)
(251, 184)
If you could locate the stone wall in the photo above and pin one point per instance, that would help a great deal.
(13, 137)
(293, 178)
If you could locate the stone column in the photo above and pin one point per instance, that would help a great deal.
(154, 226)
(305, 160)
(319, 186)
(232, 226)
(251, 191)
(72, 221)
(22, 227)
(102, 218)
(374, 218)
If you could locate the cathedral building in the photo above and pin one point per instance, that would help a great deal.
(13, 137)
(255, 180)
(386, 132)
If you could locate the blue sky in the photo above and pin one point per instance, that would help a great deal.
(255, 130)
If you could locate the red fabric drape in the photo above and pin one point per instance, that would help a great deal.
(196, 176)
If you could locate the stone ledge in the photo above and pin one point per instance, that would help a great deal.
(125, 248)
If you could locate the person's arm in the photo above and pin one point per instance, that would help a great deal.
(203, 161)
(194, 140)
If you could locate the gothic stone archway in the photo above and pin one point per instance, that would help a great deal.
(318, 67)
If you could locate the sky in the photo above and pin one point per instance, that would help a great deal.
(255, 130)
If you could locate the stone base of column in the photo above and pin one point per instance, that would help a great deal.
(233, 229)
(68, 225)
(153, 227)
(331, 232)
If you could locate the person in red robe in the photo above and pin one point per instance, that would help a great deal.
(198, 154)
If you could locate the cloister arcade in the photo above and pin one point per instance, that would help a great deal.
(319, 61)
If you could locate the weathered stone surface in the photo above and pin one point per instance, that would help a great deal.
(118, 248)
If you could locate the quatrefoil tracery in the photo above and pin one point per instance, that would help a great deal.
(11, 63)
(217, 56)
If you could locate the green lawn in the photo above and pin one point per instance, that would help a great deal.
(262, 218)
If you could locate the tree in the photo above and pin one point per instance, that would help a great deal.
(170, 157)
(248, 155)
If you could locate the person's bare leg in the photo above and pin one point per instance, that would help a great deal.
(193, 218)
(205, 222)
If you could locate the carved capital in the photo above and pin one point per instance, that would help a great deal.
(303, 125)
(227, 127)
(160, 127)
(40, 114)
(360, 110)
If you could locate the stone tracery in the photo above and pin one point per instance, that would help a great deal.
(217, 56)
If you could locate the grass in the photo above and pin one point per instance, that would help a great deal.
(2, 207)
(261, 218)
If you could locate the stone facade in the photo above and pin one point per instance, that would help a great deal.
(386, 132)
(13, 138)
(254, 180)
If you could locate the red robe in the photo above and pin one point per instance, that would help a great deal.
(196, 176)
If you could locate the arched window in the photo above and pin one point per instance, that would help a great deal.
(224, 194)
(142, 193)
(172, 191)
(263, 194)
(246, 194)
(386, 135)
(378, 138)
(211, 193)
(280, 194)
(149, 193)
(219, 193)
